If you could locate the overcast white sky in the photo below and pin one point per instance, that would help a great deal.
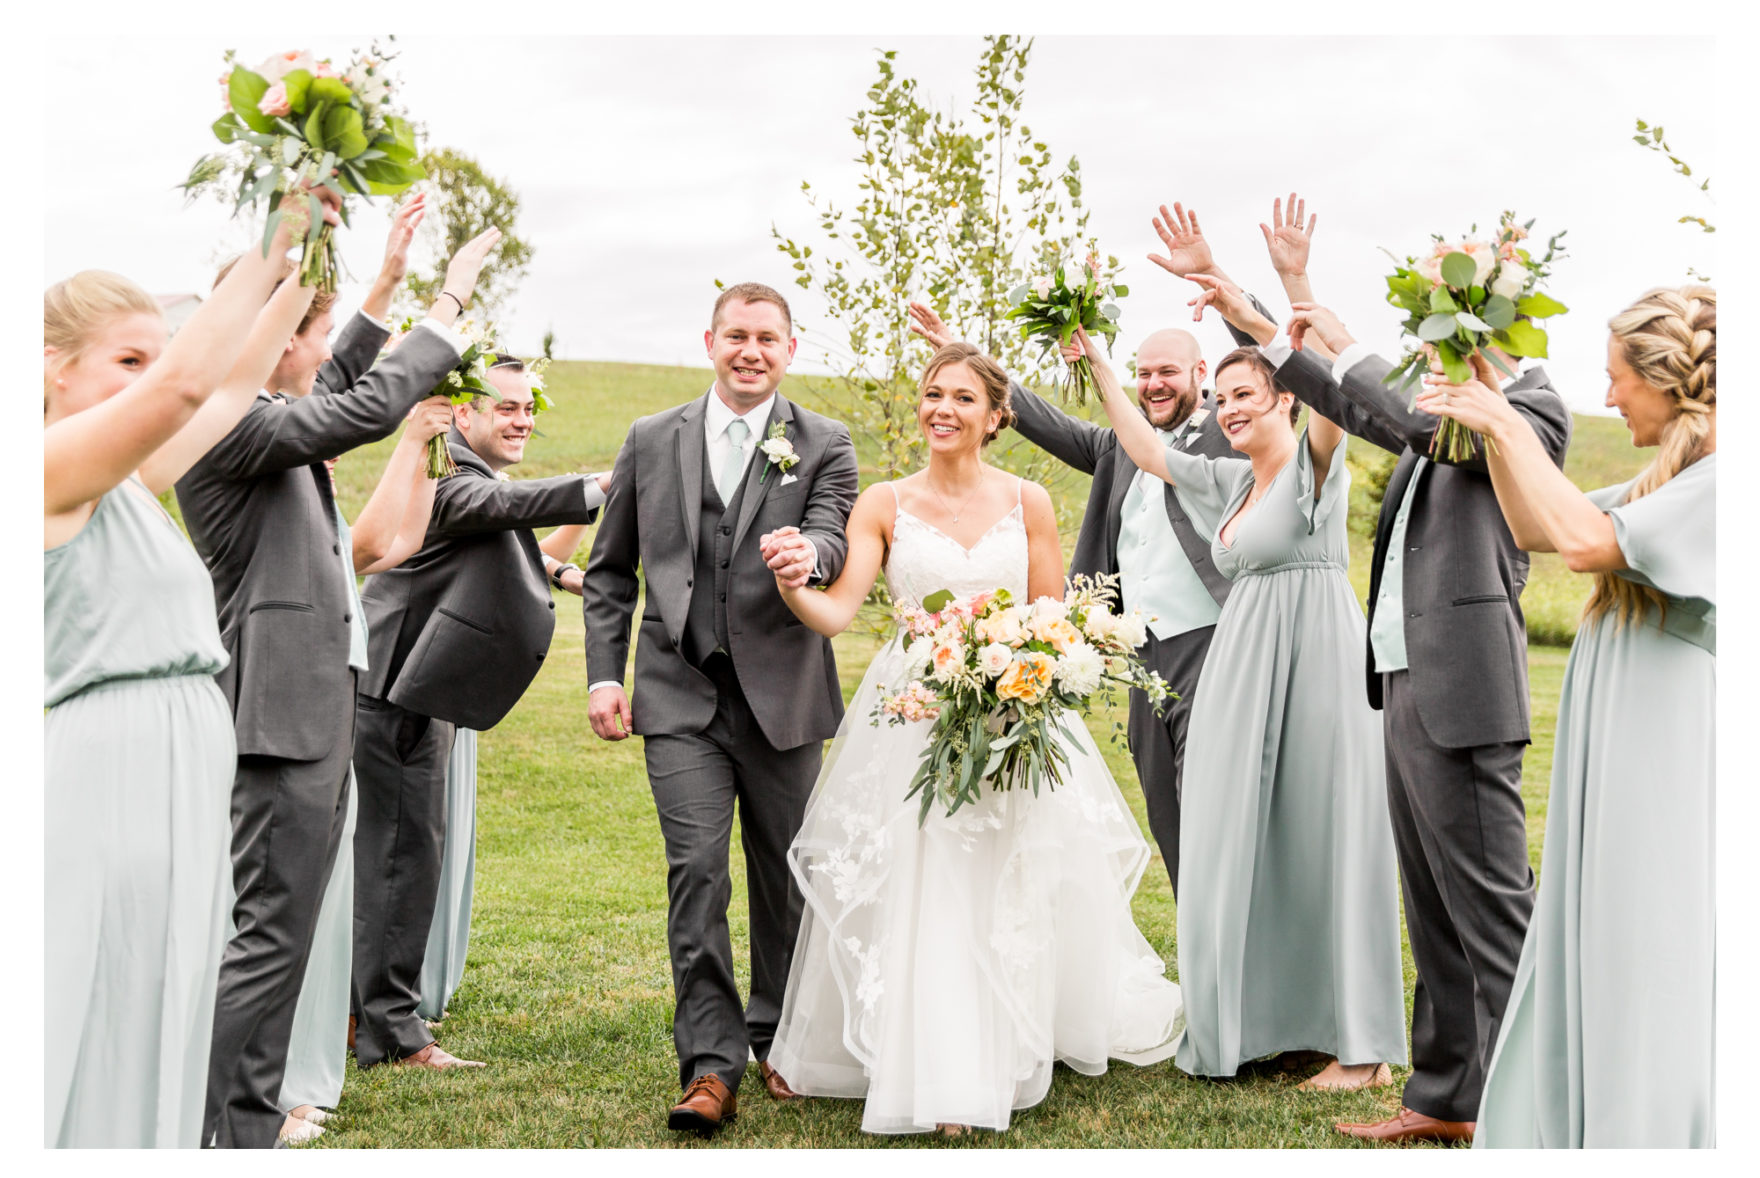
(650, 166)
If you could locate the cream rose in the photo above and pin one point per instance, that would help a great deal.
(282, 64)
(994, 658)
(1511, 278)
(1484, 258)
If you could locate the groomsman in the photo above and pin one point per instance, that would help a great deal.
(1446, 666)
(1135, 527)
(458, 632)
(260, 510)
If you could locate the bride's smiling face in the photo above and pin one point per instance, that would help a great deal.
(954, 411)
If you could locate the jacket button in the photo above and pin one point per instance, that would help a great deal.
(541, 656)
(687, 583)
(551, 604)
(727, 531)
(724, 564)
(348, 617)
(724, 597)
(336, 549)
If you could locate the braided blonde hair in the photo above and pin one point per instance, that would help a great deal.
(1669, 338)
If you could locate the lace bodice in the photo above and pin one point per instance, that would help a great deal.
(925, 559)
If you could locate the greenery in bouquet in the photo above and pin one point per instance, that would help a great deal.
(1471, 296)
(467, 381)
(296, 122)
(1052, 306)
(999, 679)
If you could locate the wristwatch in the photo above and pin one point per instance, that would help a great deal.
(556, 573)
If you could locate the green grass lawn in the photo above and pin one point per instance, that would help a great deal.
(568, 994)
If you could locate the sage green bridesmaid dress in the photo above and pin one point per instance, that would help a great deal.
(1288, 911)
(450, 935)
(1609, 1038)
(138, 760)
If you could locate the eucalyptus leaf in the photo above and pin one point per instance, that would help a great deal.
(1471, 321)
(1458, 270)
(1436, 327)
(1499, 312)
(937, 601)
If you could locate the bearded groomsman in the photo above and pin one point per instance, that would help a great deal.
(458, 632)
(261, 512)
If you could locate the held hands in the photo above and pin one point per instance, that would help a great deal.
(1326, 326)
(928, 324)
(1287, 242)
(604, 481)
(608, 711)
(789, 555)
(295, 211)
(1476, 404)
(428, 419)
(1187, 251)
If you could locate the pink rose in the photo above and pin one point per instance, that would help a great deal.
(226, 90)
(324, 70)
(275, 103)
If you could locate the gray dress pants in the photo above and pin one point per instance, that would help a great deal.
(399, 838)
(699, 779)
(1461, 832)
(287, 820)
(1158, 743)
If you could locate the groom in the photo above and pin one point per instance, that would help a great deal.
(733, 695)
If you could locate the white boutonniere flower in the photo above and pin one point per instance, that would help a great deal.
(778, 452)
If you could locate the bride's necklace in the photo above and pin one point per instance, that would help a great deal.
(966, 502)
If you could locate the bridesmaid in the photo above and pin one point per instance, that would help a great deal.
(449, 937)
(1288, 913)
(390, 528)
(1609, 1038)
(137, 740)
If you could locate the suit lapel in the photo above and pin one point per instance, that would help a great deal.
(756, 490)
(691, 446)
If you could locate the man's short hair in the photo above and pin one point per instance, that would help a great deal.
(322, 301)
(751, 292)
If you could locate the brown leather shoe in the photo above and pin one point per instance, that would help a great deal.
(1409, 1126)
(435, 1056)
(774, 1084)
(707, 1105)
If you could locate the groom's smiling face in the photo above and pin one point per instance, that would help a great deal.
(750, 346)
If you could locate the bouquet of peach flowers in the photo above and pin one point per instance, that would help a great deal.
(999, 678)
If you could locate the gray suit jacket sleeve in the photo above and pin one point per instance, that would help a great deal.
(835, 484)
(610, 585)
(1070, 440)
(318, 427)
(355, 349)
(465, 506)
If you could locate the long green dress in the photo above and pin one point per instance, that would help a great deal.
(138, 758)
(449, 937)
(1288, 902)
(1609, 1035)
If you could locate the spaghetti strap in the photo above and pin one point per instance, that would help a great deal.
(1018, 484)
(893, 487)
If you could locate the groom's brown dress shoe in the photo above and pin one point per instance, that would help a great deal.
(436, 1057)
(774, 1084)
(707, 1105)
(1409, 1126)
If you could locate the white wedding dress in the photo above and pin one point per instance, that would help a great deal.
(941, 971)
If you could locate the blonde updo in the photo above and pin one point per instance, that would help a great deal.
(77, 309)
(991, 378)
(1669, 338)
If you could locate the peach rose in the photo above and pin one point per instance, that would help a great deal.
(1002, 626)
(274, 102)
(324, 70)
(948, 660)
(1057, 631)
(282, 64)
(1027, 679)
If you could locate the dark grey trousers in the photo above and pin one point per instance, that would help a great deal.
(287, 820)
(1158, 743)
(1461, 832)
(399, 838)
(698, 780)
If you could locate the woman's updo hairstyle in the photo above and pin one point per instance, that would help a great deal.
(1669, 338)
(77, 309)
(991, 378)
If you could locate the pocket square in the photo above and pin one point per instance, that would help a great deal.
(787, 479)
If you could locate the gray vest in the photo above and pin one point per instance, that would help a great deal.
(706, 628)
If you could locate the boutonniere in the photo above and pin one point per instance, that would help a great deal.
(778, 452)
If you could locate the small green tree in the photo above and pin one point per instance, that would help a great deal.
(1651, 138)
(463, 201)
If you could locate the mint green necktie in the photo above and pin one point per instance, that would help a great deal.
(735, 463)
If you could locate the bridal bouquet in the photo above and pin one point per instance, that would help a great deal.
(294, 120)
(467, 381)
(1051, 307)
(1463, 297)
(998, 678)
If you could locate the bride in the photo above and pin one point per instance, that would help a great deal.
(941, 971)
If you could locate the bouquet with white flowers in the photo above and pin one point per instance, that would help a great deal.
(465, 382)
(1053, 305)
(1463, 297)
(997, 678)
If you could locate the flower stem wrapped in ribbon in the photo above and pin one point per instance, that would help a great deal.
(1470, 296)
(1052, 306)
(297, 121)
(998, 679)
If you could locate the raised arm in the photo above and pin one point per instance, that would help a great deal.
(1287, 242)
(363, 336)
(391, 527)
(829, 612)
(87, 453)
(1135, 434)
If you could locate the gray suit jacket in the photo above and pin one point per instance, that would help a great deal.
(261, 513)
(1466, 641)
(652, 517)
(459, 630)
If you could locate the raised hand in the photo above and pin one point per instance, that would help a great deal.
(1326, 326)
(1232, 302)
(396, 264)
(928, 324)
(1187, 251)
(462, 274)
(1287, 241)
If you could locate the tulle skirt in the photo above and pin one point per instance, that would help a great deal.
(940, 972)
